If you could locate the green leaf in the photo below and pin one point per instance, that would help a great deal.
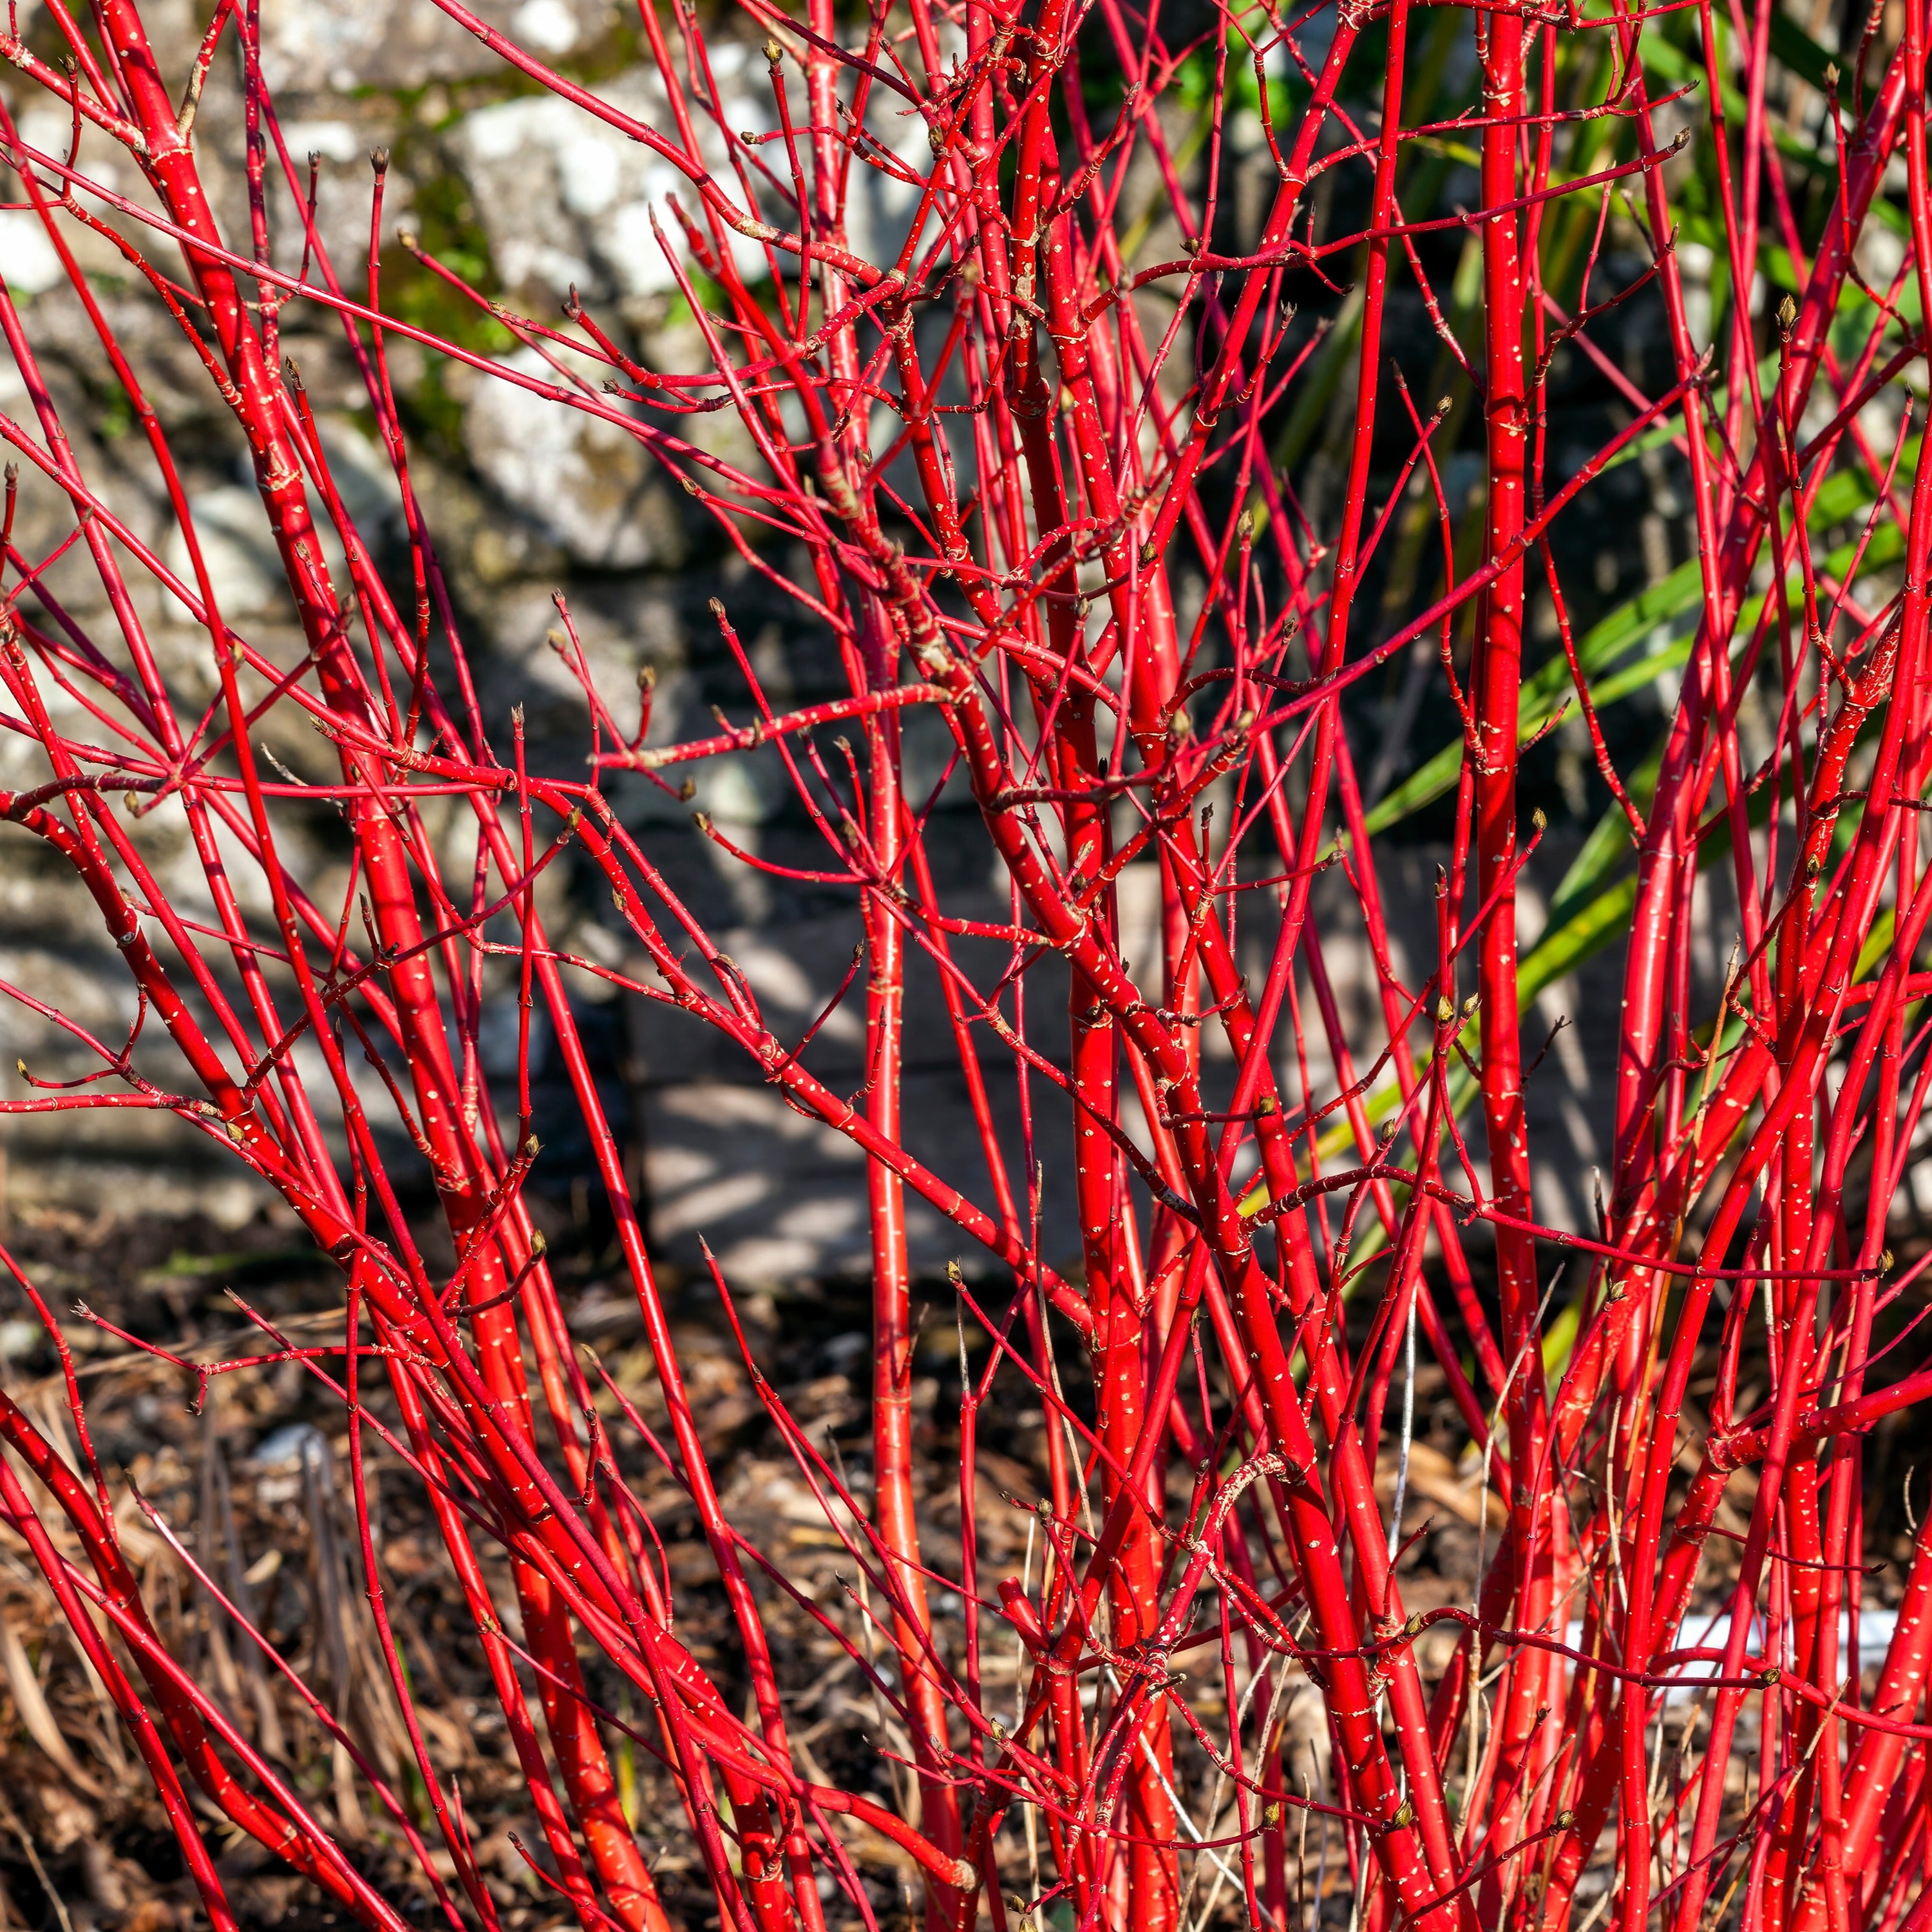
(1878, 944)
(1543, 689)
(1797, 50)
(1841, 497)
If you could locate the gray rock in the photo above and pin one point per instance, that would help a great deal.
(566, 198)
(28, 264)
(588, 484)
(244, 565)
(373, 43)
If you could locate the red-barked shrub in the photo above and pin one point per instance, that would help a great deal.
(1032, 459)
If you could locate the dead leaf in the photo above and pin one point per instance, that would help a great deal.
(1433, 1477)
(32, 1703)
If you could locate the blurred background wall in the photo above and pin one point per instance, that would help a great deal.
(528, 200)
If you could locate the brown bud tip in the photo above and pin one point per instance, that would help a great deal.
(517, 717)
(406, 237)
(717, 607)
(1831, 73)
(533, 1147)
(1787, 313)
(1565, 1818)
(774, 52)
(538, 1245)
(647, 676)
(1537, 819)
(688, 790)
(378, 160)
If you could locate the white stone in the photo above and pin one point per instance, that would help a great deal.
(334, 140)
(587, 483)
(545, 27)
(28, 264)
(244, 570)
(244, 565)
(566, 198)
(309, 49)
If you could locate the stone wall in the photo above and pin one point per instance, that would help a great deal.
(532, 199)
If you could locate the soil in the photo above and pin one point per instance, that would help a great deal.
(254, 1485)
